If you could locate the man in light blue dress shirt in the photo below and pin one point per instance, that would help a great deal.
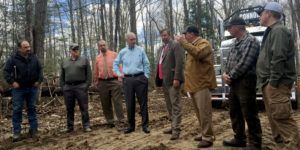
(136, 69)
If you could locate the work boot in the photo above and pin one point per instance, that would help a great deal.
(198, 138)
(33, 133)
(67, 130)
(87, 129)
(234, 143)
(16, 137)
(204, 144)
(168, 131)
(175, 136)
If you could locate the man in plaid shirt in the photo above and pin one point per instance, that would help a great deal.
(240, 75)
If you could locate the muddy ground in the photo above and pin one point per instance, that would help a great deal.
(52, 119)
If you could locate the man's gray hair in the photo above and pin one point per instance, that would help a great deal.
(129, 34)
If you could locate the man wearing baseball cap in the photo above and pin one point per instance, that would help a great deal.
(200, 79)
(276, 75)
(75, 78)
(240, 75)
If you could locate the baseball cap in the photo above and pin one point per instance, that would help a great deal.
(273, 6)
(235, 21)
(74, 46)
(191, 29)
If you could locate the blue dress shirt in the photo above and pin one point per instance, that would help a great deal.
(133, 61)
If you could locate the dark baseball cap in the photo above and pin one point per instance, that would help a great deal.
(235, 21)
(191, 29)
(74, 46)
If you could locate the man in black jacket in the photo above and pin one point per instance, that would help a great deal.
(23, 72)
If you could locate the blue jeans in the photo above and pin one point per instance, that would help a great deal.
(28, 94)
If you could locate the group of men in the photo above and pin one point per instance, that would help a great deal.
(188, 61)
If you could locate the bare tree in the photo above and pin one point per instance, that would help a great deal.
(70, 4)
(102, 19)
(39, 28)
(111, 26)
(117, 28)
(171, 17)
(132, 15)
(186, 13)
(28, 25)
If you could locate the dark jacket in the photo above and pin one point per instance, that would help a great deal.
(23, 71)
(172, 64)
(276, 62)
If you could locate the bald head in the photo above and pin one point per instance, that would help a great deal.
(102, 46)
(131, 39)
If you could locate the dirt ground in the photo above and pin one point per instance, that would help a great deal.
(52, 119)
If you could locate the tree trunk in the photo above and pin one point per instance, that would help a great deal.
(117, 28)
(39, 29)
(102, 19)
(62, 31)
(28, 24)
(70, 3)
(111, 26)
(186, 14)
(171, 17)
(198, 15)
(82, 28)
(132, 15)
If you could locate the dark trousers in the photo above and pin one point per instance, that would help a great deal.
(243, 106)
(136, 86)
(79, 93)
(21, 95)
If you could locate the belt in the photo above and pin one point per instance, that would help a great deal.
(134, 75)
(108, 79)
(75, 82)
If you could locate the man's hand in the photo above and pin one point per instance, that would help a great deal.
(179, 38)
(176, 84)
(120, 77)
(15, 85)
(226, 78)
(36, 84)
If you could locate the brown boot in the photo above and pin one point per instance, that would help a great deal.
(175, 136)
(198, 138)
(167, 131)
(204, 144)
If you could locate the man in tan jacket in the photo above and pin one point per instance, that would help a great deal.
(199, 80)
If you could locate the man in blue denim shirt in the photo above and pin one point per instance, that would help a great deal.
(135, 80)
(24, 72)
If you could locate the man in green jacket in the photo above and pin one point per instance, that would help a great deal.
(75, 79)
(276, 76)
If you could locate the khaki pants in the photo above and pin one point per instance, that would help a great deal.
(110, 95)
(203, 108)
(172, 98)
(279, 110)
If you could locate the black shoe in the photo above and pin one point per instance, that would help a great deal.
(146, 130)
(234, 143)
(110, 125)
(128, 130)
(33, 133)
(16, 137)
(67, 130)
(198, 138)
